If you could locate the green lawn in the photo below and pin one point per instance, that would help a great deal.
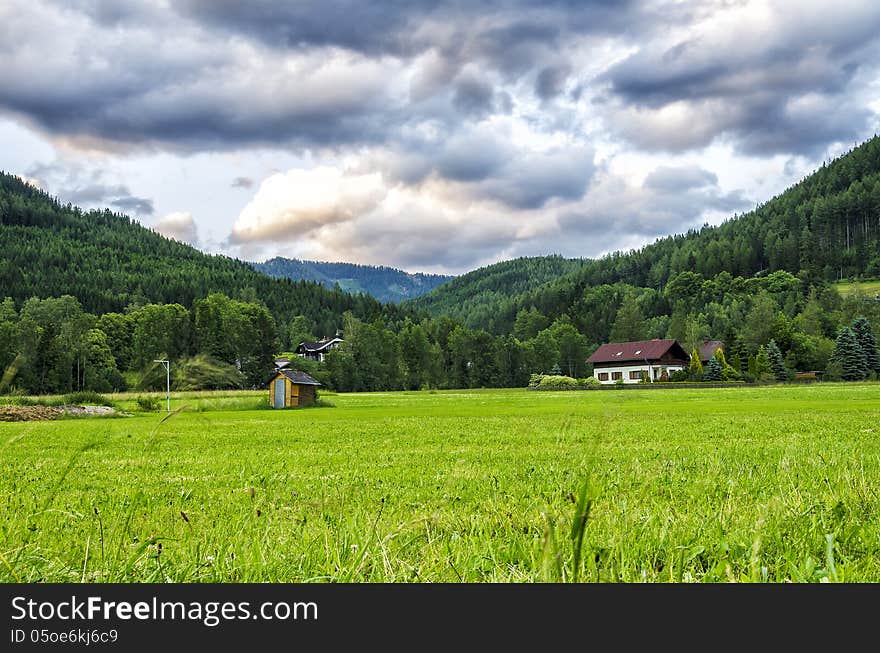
(774, 483)
(869, 288)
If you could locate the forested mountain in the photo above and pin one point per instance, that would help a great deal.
(91, 299)
(109, 262)
(826, 227)
(474, 296)
(384, 283)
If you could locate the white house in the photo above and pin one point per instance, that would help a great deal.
(317, 350)
(633, 361)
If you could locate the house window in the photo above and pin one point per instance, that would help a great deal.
(635, 375)
(603, 376)
(616, 375)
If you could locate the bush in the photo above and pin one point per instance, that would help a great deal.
(590, 383)
(87, 399)
(678, 376)
(555, 382)
(535, 380)
(148, 403)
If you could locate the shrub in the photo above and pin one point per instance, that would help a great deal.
(555, 382)
(590, 383)
(148, 403)
(679, 375)
(535, 380)
(87, 399)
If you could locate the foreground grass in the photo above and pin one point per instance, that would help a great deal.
(747, 484)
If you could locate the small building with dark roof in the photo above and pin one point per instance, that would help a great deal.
(630, 362)
(708, 349)
(318, 349)
(291, 389)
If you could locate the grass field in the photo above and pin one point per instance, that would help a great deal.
(776, 483)
(869, 288)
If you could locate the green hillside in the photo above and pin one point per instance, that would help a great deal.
(825, 228)
(108, 262)
(384, 283)
(473, 297)
(762, 283)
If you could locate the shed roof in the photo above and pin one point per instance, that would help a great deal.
(300, 378)
(640, 350)
(320, 345)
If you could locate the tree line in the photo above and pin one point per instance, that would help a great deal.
(771, 326)
(53, 346)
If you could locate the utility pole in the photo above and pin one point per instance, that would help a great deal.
(167, 365)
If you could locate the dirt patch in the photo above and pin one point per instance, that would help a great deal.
(29, 413)
(86, 411)
(41, 413)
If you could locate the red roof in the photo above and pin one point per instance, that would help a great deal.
(707, 349)
(637, 351)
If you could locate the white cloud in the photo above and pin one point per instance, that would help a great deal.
(179, 225)
(292, 205)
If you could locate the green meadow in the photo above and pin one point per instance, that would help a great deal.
(870, 287)
(767, 484)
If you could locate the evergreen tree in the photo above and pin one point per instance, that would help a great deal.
(850, 356)
(762, 363)
(712, 371)
(695, 368)
(777, 364)
(868, 342)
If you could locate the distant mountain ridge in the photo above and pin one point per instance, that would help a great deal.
(474, 297)
(381, 282)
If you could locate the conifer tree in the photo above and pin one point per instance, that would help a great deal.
(762, 363)
(868, 342)
(849, 355)
(695, 369)
(777, 364)
(712, 371)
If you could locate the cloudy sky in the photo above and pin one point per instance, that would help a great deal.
(435, 136)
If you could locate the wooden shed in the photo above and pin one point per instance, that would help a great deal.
(291, 388)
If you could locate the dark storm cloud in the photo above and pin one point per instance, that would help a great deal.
(551, 81)
(673, 179)
(103, 196)
(136, 205)
(409, 27)
(532, 180)
(671, 200)
(213, 74)
(87, 188)
(489, 167)
(792, 90)
(469, 157)
(473, 96)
